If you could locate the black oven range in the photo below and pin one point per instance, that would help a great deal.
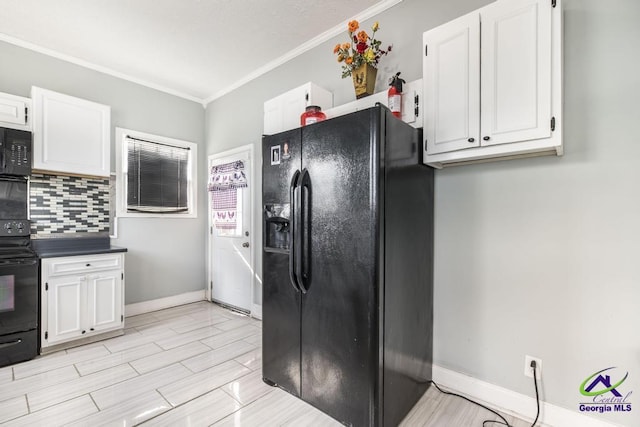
(19, 264)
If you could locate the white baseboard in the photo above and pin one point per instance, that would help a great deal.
(512, 403)
(256, 311)
(162, 303)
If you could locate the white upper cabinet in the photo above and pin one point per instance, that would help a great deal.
(283, 112)
(70, 135)
(14, 111)
(492, 83)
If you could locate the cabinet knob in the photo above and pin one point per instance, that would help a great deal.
(486, 138)
(92, 329)
(84, 332)
(245, 245)
(88, 265)
(471, 139)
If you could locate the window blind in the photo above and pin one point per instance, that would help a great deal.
(157, 177)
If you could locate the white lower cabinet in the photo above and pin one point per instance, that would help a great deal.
(82, 296)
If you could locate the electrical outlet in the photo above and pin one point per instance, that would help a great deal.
(528, 370)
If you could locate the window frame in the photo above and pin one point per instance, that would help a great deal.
(121, 174)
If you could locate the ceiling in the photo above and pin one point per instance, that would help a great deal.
(196, 49)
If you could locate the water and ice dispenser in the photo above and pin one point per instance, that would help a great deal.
(277, 227)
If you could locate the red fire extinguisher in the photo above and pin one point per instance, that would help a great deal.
(395, 95)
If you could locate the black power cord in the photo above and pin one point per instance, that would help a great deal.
(504, 421)
(535, 383)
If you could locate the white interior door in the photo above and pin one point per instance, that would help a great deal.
(231, 262)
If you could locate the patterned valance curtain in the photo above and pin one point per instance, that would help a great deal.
(224, 182)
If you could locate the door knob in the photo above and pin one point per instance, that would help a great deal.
(245, 245)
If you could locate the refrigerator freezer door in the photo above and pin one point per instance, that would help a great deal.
(280, 325)
(280, 159)
(339, 363)
(280, 300)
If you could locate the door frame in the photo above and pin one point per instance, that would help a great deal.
(256, 309)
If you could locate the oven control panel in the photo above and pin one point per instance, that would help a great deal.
(15, 152)
(18, 155)
(14, 227)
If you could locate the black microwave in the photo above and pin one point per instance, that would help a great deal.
(15, 152)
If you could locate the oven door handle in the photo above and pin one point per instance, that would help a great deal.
(10, 343)
(20, 262)
(10, 178)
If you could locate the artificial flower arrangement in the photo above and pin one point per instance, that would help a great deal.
(363, 49)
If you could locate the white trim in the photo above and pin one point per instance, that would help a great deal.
(162, 303)
(252, 237)
(231, 152)
(95, 67)
(256, 311)
(512, 403)
(113, 232)
(304, 47)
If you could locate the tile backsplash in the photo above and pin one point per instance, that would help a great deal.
(68, 204)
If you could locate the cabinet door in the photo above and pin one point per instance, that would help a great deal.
(272, 116)
(66, 298)
(283, 112)
(516, 71)
(294, 104)
(70, 134)
(104, 301)
(13, 110)
(411, 103)
(451, 79)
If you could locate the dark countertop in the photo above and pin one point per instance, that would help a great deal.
(71, 246)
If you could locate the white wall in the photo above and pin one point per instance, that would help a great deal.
(534, 256)
(548, 245)
(165, 256)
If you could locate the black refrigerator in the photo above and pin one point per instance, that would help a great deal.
(347, 266)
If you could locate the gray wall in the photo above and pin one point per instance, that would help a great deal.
(533, 256)
(165, 255)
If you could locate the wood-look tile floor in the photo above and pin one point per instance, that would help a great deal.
(193, 365)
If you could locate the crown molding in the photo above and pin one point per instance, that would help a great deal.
(303, 48)
(95, 67)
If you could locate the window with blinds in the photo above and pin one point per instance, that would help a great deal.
(157, 176)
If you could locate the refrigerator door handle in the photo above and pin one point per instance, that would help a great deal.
(304, 246)
(297, 237)
(293, 200)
